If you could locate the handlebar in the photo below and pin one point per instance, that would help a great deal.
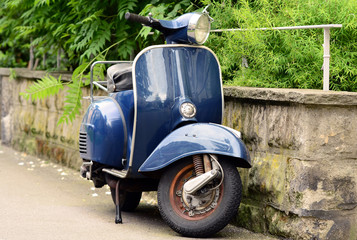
(147, 21)
(137, 18)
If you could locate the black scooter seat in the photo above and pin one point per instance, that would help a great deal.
(119, 77)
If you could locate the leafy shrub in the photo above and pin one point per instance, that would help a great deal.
(87, 30)
(285, 58)
(82, 28)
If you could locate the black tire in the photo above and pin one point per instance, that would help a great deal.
(128, 200)
(203, 225)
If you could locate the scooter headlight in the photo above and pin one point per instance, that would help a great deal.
(188, 110)
(198, 28)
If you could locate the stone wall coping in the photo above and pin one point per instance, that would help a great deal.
(35, 74)
(300, 96)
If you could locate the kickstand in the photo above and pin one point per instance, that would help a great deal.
(117, 204)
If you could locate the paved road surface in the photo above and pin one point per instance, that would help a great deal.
(42, 200)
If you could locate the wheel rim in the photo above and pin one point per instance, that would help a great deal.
(203, 205)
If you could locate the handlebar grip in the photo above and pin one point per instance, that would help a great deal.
(137, 18)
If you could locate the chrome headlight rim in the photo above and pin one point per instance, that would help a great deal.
(192, 28)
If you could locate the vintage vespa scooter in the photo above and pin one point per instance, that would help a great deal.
(159, 130)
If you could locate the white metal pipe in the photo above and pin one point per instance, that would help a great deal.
(100, 86)
(280, 28)
(326, 70)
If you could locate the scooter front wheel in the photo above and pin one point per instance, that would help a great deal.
(201, 214)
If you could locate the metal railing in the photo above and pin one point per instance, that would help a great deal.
(98, 84)
(326, 45)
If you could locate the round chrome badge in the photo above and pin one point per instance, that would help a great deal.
(188, 110)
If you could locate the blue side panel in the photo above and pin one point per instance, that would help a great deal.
(126, 101)
(165, 78)
(197, 139)
(105, 129)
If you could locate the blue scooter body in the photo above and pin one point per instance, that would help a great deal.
(144, 126)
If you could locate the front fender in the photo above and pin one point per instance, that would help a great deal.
(197, 138)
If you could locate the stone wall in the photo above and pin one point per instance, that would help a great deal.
(303, 183)
(303, 144)
(31, 126)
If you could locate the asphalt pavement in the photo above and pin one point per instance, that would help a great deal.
(43, 200)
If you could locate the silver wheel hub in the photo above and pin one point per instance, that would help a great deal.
(199, 203)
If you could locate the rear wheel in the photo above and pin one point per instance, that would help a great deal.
(205, 212)
(128, 200)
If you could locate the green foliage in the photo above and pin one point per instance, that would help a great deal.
(43, 88)
(13, 74)
(72, 103)
(285, 58)
(89, 30)
(82, 28)
(86, 30)
(164, 10)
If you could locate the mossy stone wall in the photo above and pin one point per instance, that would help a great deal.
(31, 126)
(303, 144)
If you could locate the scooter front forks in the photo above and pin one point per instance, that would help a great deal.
(201, 164)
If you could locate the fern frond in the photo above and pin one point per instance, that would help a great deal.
(13, 4)
(79, 71)
(94, 16)
(45, 87)
(38, 41)
(24, 30)
(98, 42)
(126, 6)
(73, 99)
(72, 103)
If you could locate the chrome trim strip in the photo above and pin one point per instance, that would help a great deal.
(100, 86)
(116, 173)
(134, 86)
(124, 126)
(235, 132)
